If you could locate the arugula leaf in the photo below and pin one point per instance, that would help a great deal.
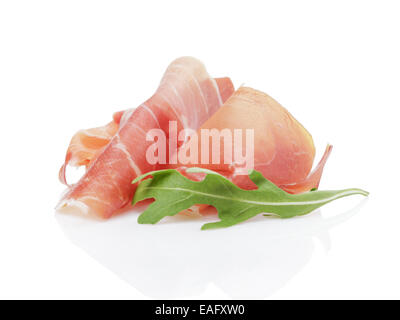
(173, 193)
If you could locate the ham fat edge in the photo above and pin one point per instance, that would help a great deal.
(115, 153)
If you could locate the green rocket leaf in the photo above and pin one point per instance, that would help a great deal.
(173, 193)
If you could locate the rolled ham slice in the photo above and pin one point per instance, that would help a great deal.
(283, 149)
(115, 154)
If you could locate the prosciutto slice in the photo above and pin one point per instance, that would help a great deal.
(115, 154)
(283, 149)
(85, 145)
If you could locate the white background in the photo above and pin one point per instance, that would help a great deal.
(67, 65)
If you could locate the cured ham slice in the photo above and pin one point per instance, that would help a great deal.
(283, 149)
(86, 144)
(115, 154)
(312, 180)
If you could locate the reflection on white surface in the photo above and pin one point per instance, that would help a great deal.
(174, 259)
